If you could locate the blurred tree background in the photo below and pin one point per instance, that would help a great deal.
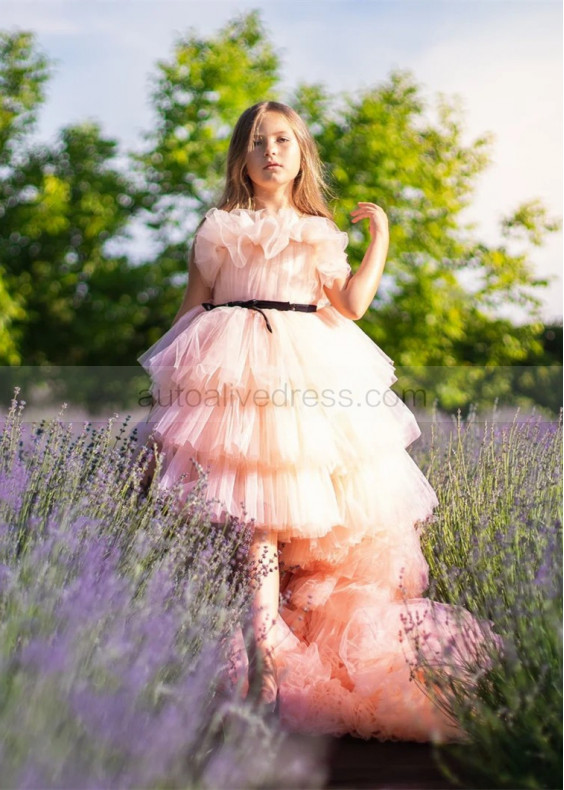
(72, 303)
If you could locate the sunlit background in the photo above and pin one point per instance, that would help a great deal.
(116, 607)
(502, 57)
(100, 276)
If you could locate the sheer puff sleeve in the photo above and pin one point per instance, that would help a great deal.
(210, 250)
(332, 262)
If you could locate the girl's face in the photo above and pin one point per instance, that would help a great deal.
(275, 157)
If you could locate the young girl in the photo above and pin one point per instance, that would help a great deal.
(266, 381)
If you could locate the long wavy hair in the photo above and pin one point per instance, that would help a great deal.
(309, 188)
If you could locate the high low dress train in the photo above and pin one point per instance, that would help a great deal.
(299, 430)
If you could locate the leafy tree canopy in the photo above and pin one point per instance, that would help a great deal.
(66, 297)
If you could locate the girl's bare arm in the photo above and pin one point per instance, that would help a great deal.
(353, 296)
(196, 290)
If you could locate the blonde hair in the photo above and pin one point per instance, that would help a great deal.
(309, 187)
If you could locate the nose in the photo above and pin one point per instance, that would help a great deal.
(270, 148)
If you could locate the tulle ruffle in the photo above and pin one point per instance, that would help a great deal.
(347, 653)
(300, 431)
(349, 665)
(348, 644)
(242, 235)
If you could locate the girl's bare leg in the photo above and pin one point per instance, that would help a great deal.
(264, 560)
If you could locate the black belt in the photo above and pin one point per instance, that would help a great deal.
(256, 304)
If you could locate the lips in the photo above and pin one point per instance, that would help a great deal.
(271, 166)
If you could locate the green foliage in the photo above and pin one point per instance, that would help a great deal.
(65, 202)
(532, 221)
(23, 72)
(10, 310)
(71, 300)
(65, 299)
(197, 97)
(385, 145)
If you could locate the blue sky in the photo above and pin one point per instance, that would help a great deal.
(503, 58)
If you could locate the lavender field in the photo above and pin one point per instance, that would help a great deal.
(118, 606)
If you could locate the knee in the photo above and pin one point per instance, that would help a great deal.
(264, 548)
(264, 540)
(262, 536)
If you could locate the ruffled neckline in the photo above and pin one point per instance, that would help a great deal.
(259, 221)
(241, 230)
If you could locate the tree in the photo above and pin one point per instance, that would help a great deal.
(197, 97)
(382, 146)
(437, 306)
(23, 72)
(66, 202)
(65, 298)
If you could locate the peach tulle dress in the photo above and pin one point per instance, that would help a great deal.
(299, 430)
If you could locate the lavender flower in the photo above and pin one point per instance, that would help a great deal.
(118, 609)
(495, 548)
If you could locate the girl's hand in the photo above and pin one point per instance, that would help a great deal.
(377, 217)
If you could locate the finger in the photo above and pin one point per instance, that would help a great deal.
(364, 213)
(359, 219)
(373, 218)
(368, 207)
(364, 210)
(368, 210)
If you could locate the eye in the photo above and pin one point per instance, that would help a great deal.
(257, 141)
(284, 139)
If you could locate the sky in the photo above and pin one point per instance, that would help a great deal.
(501, 58)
